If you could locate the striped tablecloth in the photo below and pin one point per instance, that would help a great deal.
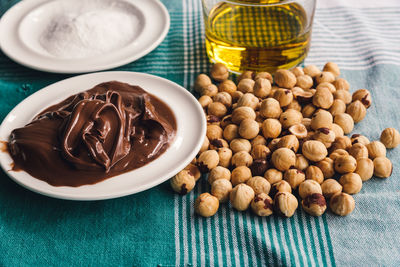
(158, 228)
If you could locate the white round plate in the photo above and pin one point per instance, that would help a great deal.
(23, 24)
(191, 129)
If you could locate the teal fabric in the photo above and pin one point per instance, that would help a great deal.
(159, 228)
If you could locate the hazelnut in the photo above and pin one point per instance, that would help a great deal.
(303, 97)
(298, 130)
(225, 155)
(342, 204)
(308, 110)
(390, 137)
(259, 167)
(271, 128)
(263, 75)
(245, 75)
(227, 86)
(324, 135)
(280, 186)
(338, 152)
(240, 175)
(314, 150)
(323, 98)
(212, 119)
(345, 121)
(246, 86)
(205, 145)
(224, 98)
(314, 173)
(283, 158)
(364, 96)
(294, 177)
(290, 117)
(312, 70)
(341, 142)
(327, 167)
(208, 160)
(262, 88)
(220, 189)
(343, 95)
(270, 108)
(219, 172)
(325, 76)
(193, 170)
(327, 85)
(314, 204)
(219, 72)
(337, 130)
(304, 81)
(285, 78)
(273, 144)
(262, 205)
(273, 176)
(225, 121)
(201, 81)
(248, 100)
(376, 149)
(297, 71)
(321, 119)
(338, 107)
(365, 168)
(217, 109)
(383, 167)
(206, 205)
(218, 143)
(294, 105)
(301, 162)
(309, 187)
(330, 187)
(259, 185)
(289, 141)
(249, 128)
(358, 150)
(285, 204)
(345, 164)
(240, 145)
(183, 182)
(332, 68)
(242, 158)
(356, 110)
(284, 97)
(241, 197)
(341, 84)
(214, 132)
(351, 183)
(205, 100)
(210, 90)
(260, 152)
(242, 113)
(231, 132)
(258, 140)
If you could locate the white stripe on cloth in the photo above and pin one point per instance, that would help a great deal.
(226, 240)
(358, 3)
(177, 220)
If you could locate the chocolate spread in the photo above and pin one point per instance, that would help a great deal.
(108, 130)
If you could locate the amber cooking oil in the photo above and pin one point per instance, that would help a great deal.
(250, 35)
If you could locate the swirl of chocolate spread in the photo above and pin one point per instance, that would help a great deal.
(97, 134)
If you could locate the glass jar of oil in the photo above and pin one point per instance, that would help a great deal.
(258, 35)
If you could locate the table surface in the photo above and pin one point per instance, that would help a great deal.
(159, 228)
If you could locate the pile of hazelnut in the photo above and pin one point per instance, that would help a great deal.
(273, 140)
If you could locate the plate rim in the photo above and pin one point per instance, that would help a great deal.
(76, 68)
(159, 180)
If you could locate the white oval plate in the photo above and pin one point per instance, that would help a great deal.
(191, 129)
(22, 26)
